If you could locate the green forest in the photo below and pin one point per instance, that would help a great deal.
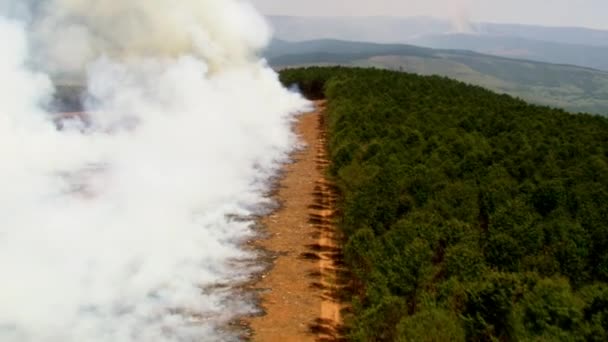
(467, 215)
(573, 88)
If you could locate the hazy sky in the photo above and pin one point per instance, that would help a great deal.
(586, 13)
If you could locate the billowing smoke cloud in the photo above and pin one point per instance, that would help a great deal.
(123, 228)
(69, 33)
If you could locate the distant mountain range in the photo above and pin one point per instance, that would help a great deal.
(574, 88)
(562, 45)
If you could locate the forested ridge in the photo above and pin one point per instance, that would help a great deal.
(574, 88)
(468, 215)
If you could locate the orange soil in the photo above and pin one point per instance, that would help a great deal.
(300, 298)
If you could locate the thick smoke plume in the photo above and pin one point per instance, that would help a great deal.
(70, 33)
(120, 226)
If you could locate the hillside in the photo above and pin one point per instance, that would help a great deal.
(368, 29)
(561, 45)
(403, 29)
(573, 88)
(468, 215)
(517, 47)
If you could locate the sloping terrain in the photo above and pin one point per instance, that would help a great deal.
(368, 29)
(563, 45)
(573, 88)
(403, 29)
(516, 47)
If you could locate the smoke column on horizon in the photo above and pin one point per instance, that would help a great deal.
(460, 11)
(123, 229)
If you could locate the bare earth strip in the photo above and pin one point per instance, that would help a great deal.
(300, 292)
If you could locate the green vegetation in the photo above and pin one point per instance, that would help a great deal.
(573, 88)
(468, 215)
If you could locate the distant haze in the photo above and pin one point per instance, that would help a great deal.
(583, 13)
(562, 45)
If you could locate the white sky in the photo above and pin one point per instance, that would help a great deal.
(585, 13)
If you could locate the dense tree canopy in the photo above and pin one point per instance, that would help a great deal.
(467, 214)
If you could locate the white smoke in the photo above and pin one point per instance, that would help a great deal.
(121, 229)
(460, 15)
(70, 33)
